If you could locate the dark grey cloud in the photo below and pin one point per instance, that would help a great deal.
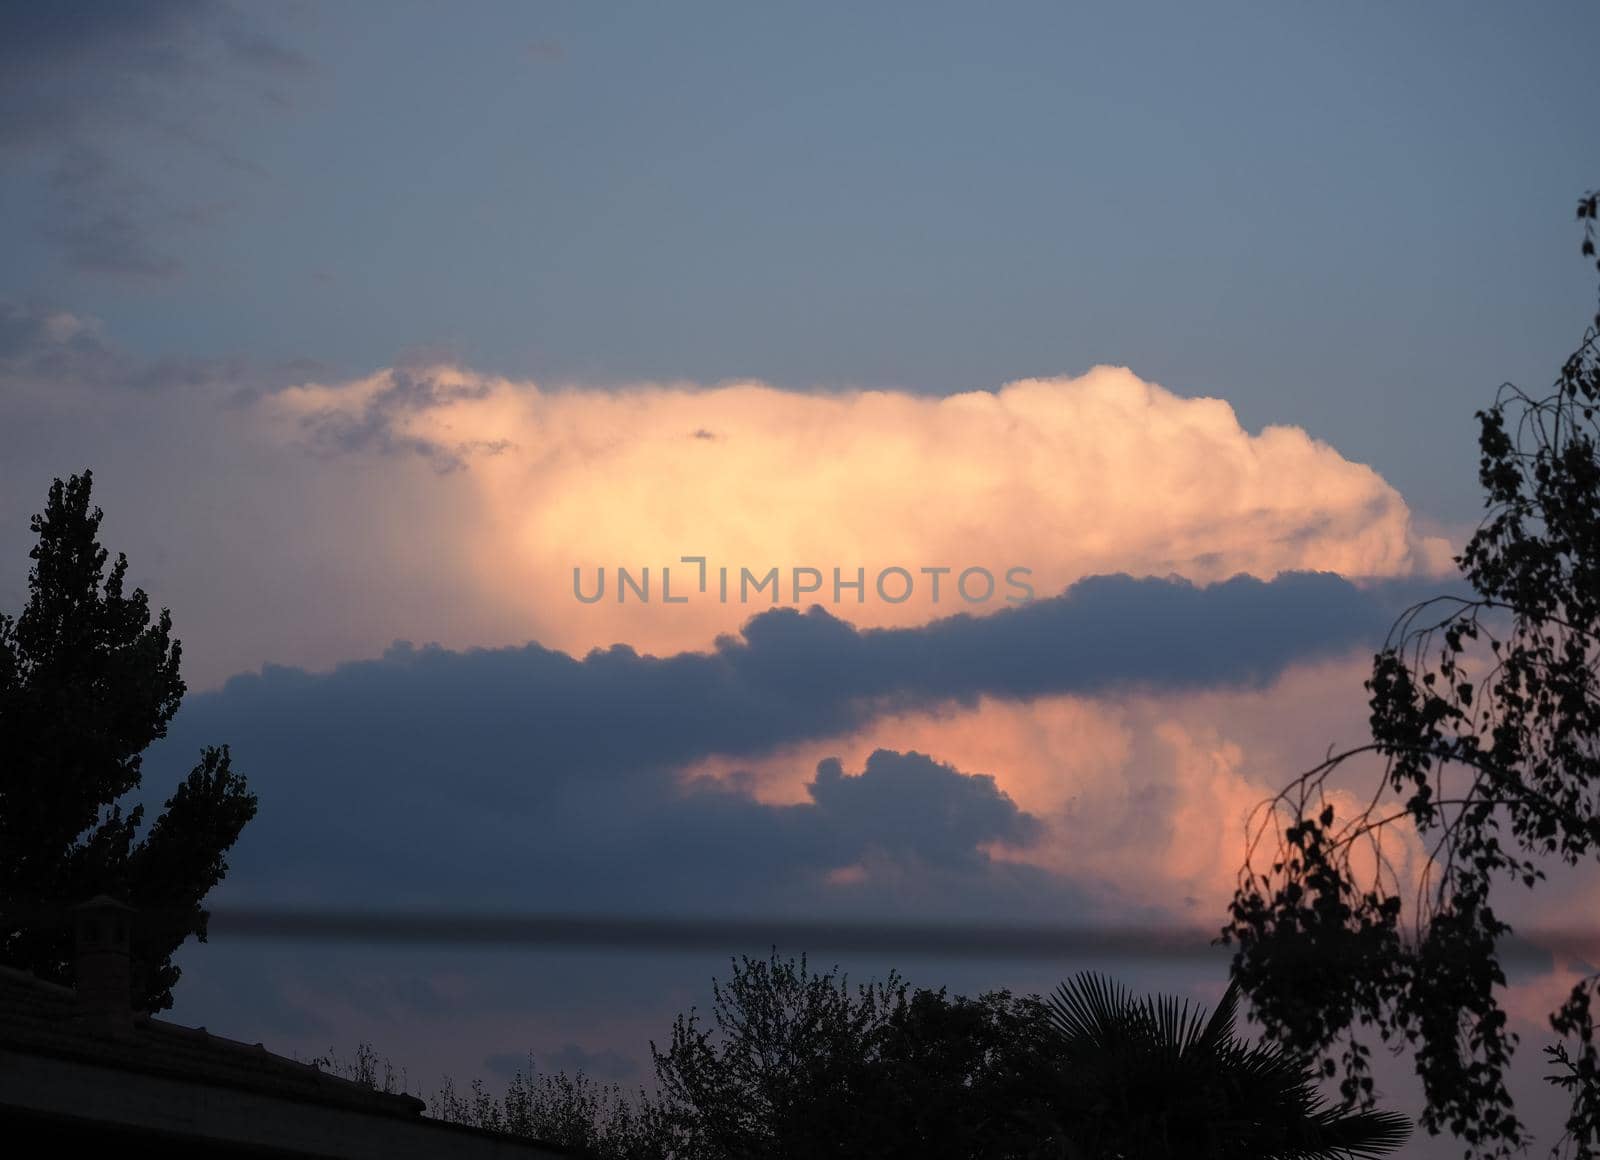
(428, 776)
(90, 87)
(76, 64)
(936, 814)
(337, 825)
(103, 219)
(526, 780)
(393, 834)
(794, 675)
(66, 64)
(374, 428)
(44, 348)
(606, 1064)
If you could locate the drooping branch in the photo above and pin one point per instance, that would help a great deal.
(1496, 771)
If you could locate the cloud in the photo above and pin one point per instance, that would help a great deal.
(1066, 477)
(102, 220)
(455, 508)
(470, 780)
(90, 89)
(606, 1064)
(794, 675)
(1148, 788)
(317, 524)
(524, 777)
(53, 355)
(387, 829)
(1070, 808)
(380, 424)
(59, 61)
(908, 805)
(42, 349)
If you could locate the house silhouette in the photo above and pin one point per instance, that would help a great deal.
(79, 1067)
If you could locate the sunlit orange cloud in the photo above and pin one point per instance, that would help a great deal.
(1151, 792)
(1067, 477)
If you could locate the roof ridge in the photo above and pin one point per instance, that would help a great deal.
(17, 974)
(259, 1050)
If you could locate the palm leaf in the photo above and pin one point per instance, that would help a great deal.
(1157, 1077)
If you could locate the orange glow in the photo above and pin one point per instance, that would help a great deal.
(1067, 477)
(1149, 792)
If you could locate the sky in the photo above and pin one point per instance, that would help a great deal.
(391, 330)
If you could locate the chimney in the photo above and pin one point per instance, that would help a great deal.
(101, 928)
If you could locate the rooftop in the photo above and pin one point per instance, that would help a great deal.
(43, 1018)
(90, 1078)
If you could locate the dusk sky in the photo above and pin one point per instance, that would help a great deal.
(375, 321)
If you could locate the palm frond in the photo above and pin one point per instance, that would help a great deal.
(1177, 1027)
(1157, 1074)
(1341, 1135)
(1091, 1010)
(1218, 1031)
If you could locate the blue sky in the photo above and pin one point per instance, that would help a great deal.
(376, 320)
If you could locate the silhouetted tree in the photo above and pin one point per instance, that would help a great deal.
(776, 1073)
(1118, 1077)
(800, 1064)
(945, 1081)
(87, 682)
(573, 1112)
(1486, 718)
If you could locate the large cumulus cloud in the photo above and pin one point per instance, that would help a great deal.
(1067, 476)
(316, 524)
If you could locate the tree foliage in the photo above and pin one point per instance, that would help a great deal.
(779, 1070)
(87, 682)
(573, 1112)
(798, 1064)
(1485, 715)
(1154, 1078)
